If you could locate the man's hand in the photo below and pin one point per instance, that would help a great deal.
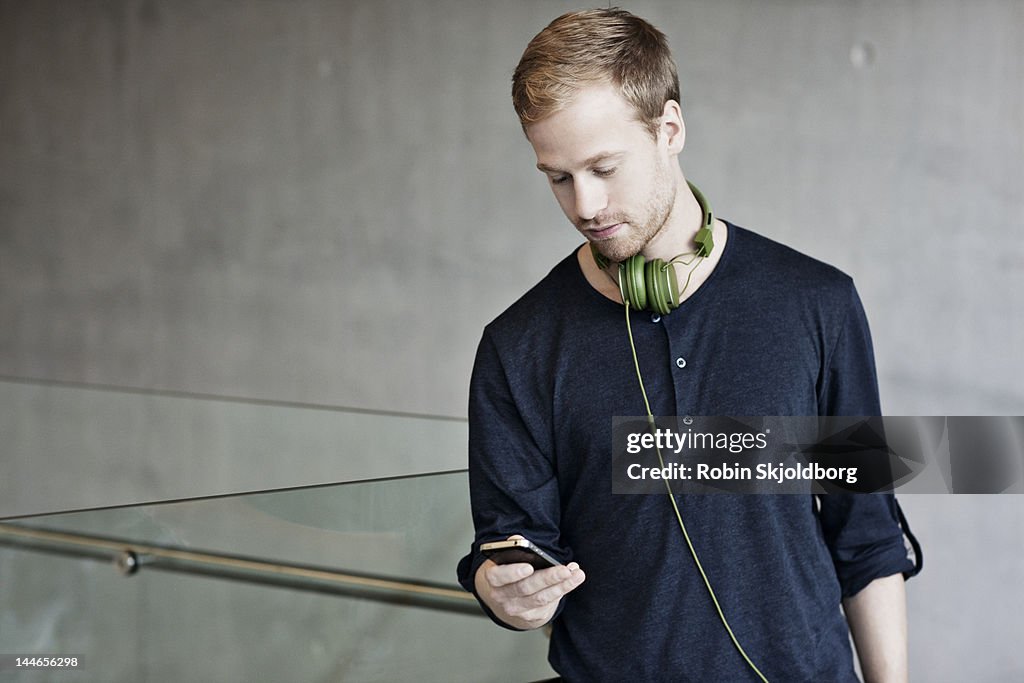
(524, 597)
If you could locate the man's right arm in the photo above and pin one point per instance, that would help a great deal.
(523, 597)
(513, 489)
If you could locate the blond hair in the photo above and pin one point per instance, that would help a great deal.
(593, 47)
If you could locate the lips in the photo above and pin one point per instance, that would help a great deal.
(605, 232)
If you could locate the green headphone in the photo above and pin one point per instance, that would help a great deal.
(652, 285)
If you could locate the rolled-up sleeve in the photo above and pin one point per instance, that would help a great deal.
(865, 532)
(865, 538)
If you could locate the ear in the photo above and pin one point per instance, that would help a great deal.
(672, 126)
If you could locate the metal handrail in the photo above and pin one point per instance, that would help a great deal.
(129, 556)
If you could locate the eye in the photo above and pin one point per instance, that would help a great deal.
(558, 179)
(604, 172)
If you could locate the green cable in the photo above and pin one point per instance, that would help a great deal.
(675, 506)
(679, 258)
(689, 273)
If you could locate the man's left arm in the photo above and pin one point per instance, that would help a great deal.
(864, 532)
(877, 616)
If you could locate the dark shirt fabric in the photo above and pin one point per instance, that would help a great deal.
(771, 332)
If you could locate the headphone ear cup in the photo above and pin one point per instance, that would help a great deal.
(635, 291)
(667, 278)
(655, 292)
(662, 294)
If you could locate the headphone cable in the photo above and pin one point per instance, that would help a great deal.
(651, 425)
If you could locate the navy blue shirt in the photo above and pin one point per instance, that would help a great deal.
(770, 332)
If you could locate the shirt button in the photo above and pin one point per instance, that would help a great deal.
(655, 318)
(680, 362)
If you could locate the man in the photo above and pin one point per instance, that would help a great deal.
(760, 330)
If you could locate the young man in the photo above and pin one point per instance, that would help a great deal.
(760, 330)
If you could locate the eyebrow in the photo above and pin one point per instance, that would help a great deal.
(592, 161)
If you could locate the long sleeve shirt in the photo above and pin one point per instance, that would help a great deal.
(770, 332)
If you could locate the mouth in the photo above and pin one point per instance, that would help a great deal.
(603, 233)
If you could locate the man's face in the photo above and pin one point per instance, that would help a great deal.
(613, 181)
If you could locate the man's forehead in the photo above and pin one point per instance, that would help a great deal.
(596, 101)
(599, 123)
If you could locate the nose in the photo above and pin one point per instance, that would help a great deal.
(590, 198)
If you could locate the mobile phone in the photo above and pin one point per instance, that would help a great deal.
(518, 550)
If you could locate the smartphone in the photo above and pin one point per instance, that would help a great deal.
(518, 550)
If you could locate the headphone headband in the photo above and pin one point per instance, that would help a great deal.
(705, 243)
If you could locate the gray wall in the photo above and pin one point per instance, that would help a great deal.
(324, 202)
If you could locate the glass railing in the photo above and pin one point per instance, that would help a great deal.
(341, 582)
(352, 582)
(71, 447)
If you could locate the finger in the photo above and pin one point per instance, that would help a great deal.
(543, 579)
(500, 575)
(538, 605)
(556, 592)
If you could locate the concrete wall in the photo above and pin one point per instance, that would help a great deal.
(324, 202)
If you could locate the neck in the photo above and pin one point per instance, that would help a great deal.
(684, 219)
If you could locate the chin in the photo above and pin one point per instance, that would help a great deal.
(618, 255)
